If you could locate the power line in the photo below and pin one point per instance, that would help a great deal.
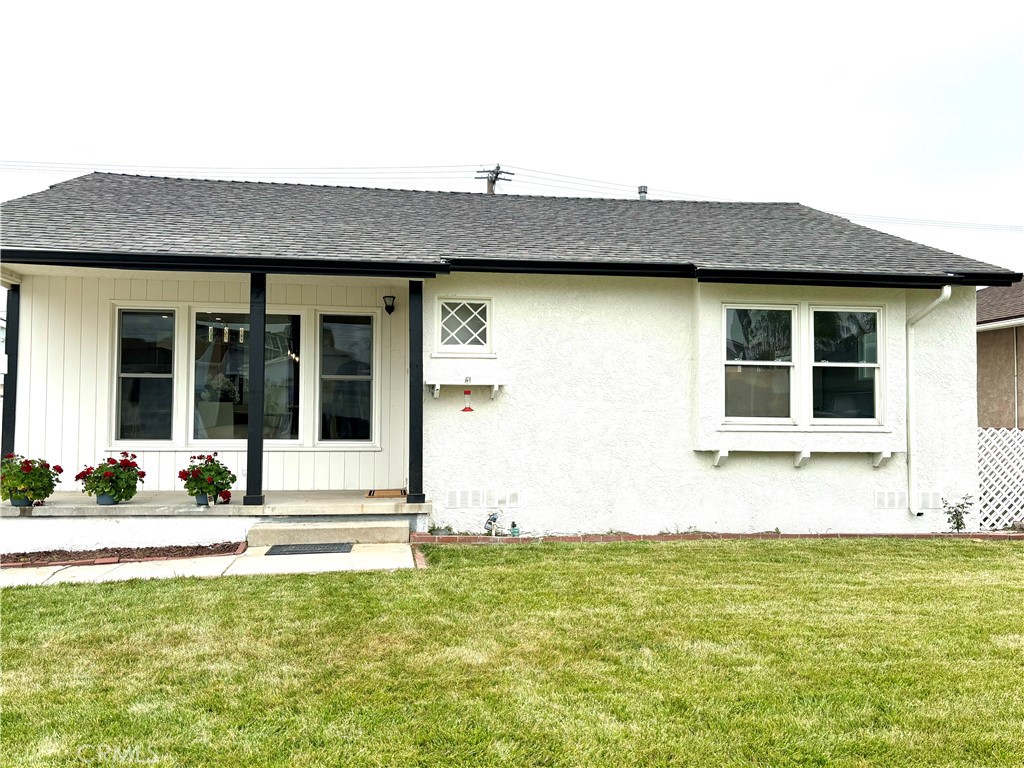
(42, 166)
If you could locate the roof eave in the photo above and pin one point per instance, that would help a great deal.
(182, 262)
(853, 279)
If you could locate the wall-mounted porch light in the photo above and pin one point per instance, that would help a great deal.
(389, 304)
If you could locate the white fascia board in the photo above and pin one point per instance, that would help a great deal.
(1013, 322)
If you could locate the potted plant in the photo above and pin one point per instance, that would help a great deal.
(207, 478)
(113, 480)
(26, 481)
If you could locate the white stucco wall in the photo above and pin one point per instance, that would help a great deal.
(612, 409)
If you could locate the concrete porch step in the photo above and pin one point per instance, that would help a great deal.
(376, 532)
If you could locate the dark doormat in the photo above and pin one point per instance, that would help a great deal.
(309, 549)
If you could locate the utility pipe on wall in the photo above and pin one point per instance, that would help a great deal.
(914, 319)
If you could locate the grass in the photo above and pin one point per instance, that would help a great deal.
(718, 653)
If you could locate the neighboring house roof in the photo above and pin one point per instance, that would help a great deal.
(1001, 303)
(134, 220)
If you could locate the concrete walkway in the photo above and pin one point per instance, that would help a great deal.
(363, 557)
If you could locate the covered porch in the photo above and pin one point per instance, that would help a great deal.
(73, 399)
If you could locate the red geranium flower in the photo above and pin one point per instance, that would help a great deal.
(183, 475)
(142, 474)
(209, 479)
(225, 496)
(111, 461)
(58, 469)
(108, 474)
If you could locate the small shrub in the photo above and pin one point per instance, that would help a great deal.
(955, 513)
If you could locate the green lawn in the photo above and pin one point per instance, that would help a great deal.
(768, 653)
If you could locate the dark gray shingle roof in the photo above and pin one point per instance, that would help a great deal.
(1001, 303)
(104, 212)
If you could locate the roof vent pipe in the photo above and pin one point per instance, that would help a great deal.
(643, 191)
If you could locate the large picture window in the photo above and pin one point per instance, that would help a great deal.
(222, 345)
(145, 375)
(845, 364)
(346, 377)
(759, 363)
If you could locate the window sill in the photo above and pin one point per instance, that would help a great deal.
(813, 429)
(879, 457)
(464, 355)
(239, 446)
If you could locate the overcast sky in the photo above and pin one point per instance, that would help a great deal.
(898, 110)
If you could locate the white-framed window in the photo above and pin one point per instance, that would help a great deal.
(144, 408)
(220, 376)
(759, 364)
(804, 365)
(845, 365)
(347, 377)
(464, 326)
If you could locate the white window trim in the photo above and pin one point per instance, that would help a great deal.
(461, 350)
(879, 366)
(234, 443)
(115, 380)
(374, 443)
(792, 365)
(802, 373)
(184, 373)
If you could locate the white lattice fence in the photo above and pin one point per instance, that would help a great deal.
(1001, 477)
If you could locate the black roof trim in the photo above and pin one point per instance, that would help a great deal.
(177, 262)
(852, 279)
(326, 266)
(565, 267)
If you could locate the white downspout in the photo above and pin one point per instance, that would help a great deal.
(1016, 382)
(914, 319)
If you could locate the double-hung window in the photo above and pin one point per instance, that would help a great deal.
(346, 377)
(145, 375)
(802, 365)
(845, 376)
(758, 363)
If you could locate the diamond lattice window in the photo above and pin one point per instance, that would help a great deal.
(464, 325)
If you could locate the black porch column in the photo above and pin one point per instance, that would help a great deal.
(11, 379)
(257, 377)
(415, 489)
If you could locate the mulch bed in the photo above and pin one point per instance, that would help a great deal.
(119, 554)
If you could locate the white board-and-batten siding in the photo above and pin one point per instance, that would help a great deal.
(67, 377)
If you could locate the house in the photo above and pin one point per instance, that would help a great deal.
(583, 365)
(1000, 313)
